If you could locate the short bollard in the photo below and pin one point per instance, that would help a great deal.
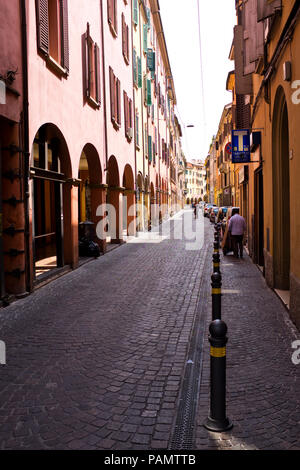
(217, 420)
(216, 246)
(216, 263)
(216, 284)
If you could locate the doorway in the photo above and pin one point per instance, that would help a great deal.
(281, 193)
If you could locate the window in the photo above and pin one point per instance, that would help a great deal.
(125, 40)
(91, 69)
(53, 33)
(135, 12)
(137, 134)
(115, 99)
(128, 117)
(112, 16)
(135, 68)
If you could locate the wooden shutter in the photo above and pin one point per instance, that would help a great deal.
(115, 15)
(112, 94)
(110, 11)
(88, 62)
(134, 67)
(149, 99)
(265, 9)
(118, 91)
(123, 35)
(42, 25)
(145, 37)
(150, 148)
(65, 34)
(97, 74)
(130, 123)
(85, 64)
(125, 112)
(139, 61)
(243, 83)
(127, 42)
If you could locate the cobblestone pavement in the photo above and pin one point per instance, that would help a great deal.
(95, 358)
(263, 398)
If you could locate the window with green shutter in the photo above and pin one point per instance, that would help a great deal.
(148, 17)
(145, 38)
(135, 12)
(149, 99)
(151, 60)
(139, 65)
(150, 148)
(135, 74)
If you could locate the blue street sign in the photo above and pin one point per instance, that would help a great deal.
(240, 139)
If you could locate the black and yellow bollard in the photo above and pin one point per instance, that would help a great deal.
(217, 420)
(216, 284)
(216, 263)
(216, 246)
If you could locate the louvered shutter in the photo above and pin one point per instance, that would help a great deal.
(139, 61)
(85, 60)
(243, 83)
(145, 38)
(97, 74)
(118, 90)
(127, 42)
(110, 11)
(134, 67)
(125, 112)
(149, 99)
(115, 15)
(65, 53)
(150, 148)
(42, 25)
(112, 94)
(123, 36)
(88, 62)
(135, 11)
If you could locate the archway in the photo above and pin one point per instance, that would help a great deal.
(281, 193)
(140, 202)
(52, 225)
(114, 198)
(91, 191)
(152, 206)
(147, 205)
(128, 202)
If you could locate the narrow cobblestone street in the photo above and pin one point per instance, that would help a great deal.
(92, 364)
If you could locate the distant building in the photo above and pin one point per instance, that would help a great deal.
(195, 176)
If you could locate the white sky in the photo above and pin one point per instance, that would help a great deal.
(180, 23)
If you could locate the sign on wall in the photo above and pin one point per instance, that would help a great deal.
(240, 139)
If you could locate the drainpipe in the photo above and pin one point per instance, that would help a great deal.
(134, 126)
(2, 287)
(26, 154)
(104, 83)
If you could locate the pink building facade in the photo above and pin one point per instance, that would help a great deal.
(68, 132)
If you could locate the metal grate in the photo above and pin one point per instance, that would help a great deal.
(183, 433)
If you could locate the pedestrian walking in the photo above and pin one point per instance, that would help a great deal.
(237, 229)
(196, 210)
